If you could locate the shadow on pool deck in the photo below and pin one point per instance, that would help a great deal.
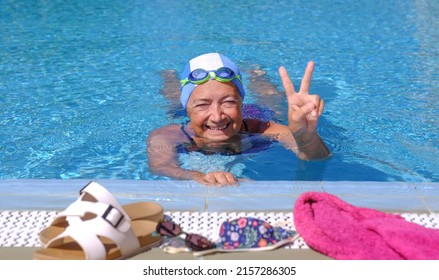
(25, 253)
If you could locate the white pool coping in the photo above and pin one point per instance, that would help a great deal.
(280, 196)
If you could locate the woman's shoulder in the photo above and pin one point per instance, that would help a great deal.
(167, 133)
(167, 129)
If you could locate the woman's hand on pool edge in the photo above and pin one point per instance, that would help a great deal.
(216, 178)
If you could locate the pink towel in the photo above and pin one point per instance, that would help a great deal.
(342, 231)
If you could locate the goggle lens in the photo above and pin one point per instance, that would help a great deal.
(225, 73)
(198, 75)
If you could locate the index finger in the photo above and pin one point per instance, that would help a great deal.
(306, 80)
(286, 81)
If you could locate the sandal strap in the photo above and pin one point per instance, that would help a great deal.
(80, 206)
(101, 194)
(77, 211)
(109, 222)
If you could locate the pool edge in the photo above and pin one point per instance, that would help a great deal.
(56, 194)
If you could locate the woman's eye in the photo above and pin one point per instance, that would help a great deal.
(229, 103)
(201, 105)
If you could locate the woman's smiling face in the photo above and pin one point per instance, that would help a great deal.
(215, 111)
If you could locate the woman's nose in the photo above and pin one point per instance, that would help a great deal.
(216, 113)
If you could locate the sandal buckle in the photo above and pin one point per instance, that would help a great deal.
(114, 218)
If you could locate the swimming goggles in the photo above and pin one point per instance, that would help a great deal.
(194, 241)
(200, 76)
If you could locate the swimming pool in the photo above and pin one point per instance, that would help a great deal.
(80, 83)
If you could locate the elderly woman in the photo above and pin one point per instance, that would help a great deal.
(212, 94)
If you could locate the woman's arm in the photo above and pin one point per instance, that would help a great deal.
(162, 146)
(314, 149)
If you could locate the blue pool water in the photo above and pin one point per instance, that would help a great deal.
(80, 83)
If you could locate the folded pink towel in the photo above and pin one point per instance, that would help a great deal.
(343, 231)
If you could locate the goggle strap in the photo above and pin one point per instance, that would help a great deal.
(222, 80)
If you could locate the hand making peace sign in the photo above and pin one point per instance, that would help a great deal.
(304, 109)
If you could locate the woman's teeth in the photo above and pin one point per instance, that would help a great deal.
(218, 127)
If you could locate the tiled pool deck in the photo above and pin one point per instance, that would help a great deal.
(271, 199)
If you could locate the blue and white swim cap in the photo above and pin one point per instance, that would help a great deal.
(208, 62)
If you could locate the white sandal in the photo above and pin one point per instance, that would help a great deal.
(94, 192)
(101, 232)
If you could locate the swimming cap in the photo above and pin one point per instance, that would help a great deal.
(208, 62)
